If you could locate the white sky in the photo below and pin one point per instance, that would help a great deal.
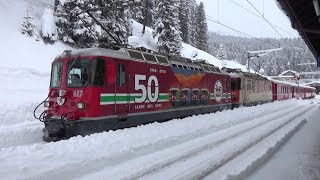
(238, 18)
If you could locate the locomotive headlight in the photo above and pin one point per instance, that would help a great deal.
(46, 104)
(81, 105)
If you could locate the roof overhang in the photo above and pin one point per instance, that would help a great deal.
(304, 19)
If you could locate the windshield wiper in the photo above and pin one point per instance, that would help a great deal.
(73, 63)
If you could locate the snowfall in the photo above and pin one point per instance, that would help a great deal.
(277, 140)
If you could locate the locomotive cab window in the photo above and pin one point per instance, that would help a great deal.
(56, 74)
(162, 59)
(97, 72)
(78, 73)
(150, 57)
(135, 55)
(121, 75)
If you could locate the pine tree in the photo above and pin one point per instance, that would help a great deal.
(184, 14)
(192, 6)
(138, 13)
(221, 53)
(166, 27)
(63, 21)
(75, 26)
(116, 17)
(27, 25)
(202, 28)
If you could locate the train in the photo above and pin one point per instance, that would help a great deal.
(97, 89)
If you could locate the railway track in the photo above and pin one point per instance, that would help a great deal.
(164, 162)
(163, 157)
(195, 160)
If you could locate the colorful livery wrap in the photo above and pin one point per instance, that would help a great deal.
(94, 90)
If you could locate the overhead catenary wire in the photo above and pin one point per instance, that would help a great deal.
(264, 18)
(261, 17)
(236, 30)
(226, 26)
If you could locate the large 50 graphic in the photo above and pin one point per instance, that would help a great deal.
(146, 91)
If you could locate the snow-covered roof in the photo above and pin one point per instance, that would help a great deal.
(282, 82)
(288, 71)
(100, 52)
(313, 82)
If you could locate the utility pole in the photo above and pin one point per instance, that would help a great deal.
(145, 17)
(256, 54)
(248, 68)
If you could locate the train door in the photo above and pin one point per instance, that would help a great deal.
(235, 90)
(243, 90)
(274, 91)
(121, 89)
(247, 91)
(292, 91)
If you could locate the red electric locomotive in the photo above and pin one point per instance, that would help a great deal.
(249, 89)
(94, 90)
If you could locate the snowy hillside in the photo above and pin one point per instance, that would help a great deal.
(26, 63)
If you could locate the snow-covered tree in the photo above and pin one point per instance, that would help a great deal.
(192, 7)
(48, 27)
(74, 25)
(166, 27)
(201, 28)
(221, 53)
(28, 26)
(116, 17)
(184, 16)
(294, 51)
(63, 21)
(138, 12)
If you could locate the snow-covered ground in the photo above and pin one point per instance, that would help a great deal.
(212, 146)
(298, 158)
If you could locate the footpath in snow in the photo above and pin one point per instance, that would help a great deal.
(298, 158)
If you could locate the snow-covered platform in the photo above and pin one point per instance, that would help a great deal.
(297, 159)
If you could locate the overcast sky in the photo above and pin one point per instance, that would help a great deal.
(230, 14)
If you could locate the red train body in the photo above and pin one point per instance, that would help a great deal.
(95, 90)
(282, 90)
